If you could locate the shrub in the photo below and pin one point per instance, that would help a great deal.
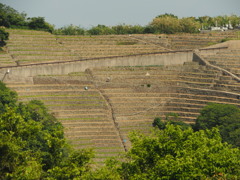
(100, 30)
(38, 23)
(174, 153)
(9, 17)
(70, 30)
(126, 43)
(32, 143)
(224, 116)
(3, 36)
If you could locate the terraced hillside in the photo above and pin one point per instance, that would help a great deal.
(83, 112)
(137, 95)
(188, 41)
(6, 59)
(30, 47)
(100, 106)
(228, 59)
(107, 45)
(118, 100)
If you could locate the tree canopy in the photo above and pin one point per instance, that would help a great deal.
(11, 18)
(3, 36)
(70, 30)
(32, 143)
(39, 23)
(174, 153)
(170, 24)
(224, 116)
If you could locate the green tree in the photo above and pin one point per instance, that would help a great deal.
(205, 21)
(16, 159)
(189, 25)
(157, 122)
(70, 30)
(174, 153)
(148, 29)
(9, 17)
(45, 133)
(128, 29)
(73, 167)
(221, 20)
(7, 98)
(167, 15)
(100, 30)
(224, 116)
(32, 143)
(39, 23)
(110, 171)
(3, 35)
(136, 29)
(234, 20)
(166, 24)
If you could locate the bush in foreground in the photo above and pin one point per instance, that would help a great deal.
(174, 153)
(32, 143)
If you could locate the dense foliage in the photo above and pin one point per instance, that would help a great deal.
(224, 116)
(70, 30)
(3, 36)
(7, 98)
(157, 122)
(174, 153)
(32, 143)
(11, 18)
(39, 23)
(169, 24)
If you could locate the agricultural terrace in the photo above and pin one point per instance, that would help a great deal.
(30, 47)
(100, 106)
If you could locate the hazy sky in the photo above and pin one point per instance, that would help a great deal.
(88, 13)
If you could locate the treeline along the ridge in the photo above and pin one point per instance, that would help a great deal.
(165, 23)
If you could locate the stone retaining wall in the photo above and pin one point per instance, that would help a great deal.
(60, 68)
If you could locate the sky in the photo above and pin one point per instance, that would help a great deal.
(88, 13)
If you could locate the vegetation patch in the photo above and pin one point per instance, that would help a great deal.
(32, 142)
(228, 39)
(74, 100)
(126, 42)
(224, 116)
(77, 74)
(61, 95)
(69, 119)
(3, 37)
(174, 153)
(83, 105)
